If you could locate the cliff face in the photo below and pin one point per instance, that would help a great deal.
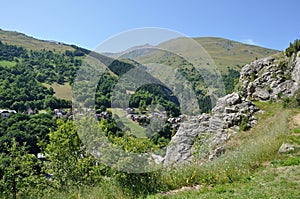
(213, 129)
(270, 78)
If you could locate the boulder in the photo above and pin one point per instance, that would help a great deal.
(261, 94)
(286, 147)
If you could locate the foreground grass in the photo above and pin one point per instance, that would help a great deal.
(250, 168)
(267, 183)
(106, 190)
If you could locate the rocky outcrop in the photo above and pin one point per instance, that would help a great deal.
(213, 129)
(265, 79)
(271, 78)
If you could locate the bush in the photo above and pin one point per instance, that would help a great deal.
(244, 124)
(292, 102)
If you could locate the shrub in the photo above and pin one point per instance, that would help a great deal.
(244, 124)
(296, 130)
(292, 102)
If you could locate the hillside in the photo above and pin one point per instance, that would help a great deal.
(30, 43)
(228, 55)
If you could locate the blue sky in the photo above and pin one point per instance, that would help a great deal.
(271, 24)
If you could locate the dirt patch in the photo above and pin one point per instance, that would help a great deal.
(291, 173)
(296, 120)
(174, 192)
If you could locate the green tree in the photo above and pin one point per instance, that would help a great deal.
(68, 161)
(293, 48)
(20, 172)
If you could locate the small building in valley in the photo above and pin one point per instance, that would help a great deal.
(6, 112)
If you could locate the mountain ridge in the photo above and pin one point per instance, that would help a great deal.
(225, 52)
(31, 43)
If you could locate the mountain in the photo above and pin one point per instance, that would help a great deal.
(225, 53)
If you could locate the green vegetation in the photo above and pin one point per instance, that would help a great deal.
(267, 183)
(244, 124)
(24, 72)
(230, 80)
(29, 129)
(9, 52)
(7, 64)
(292, 102)
(293, 48)
(21, 174)
(68, 162)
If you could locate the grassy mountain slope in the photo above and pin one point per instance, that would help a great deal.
(231, 53)
(30, 43)
(224, 52)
